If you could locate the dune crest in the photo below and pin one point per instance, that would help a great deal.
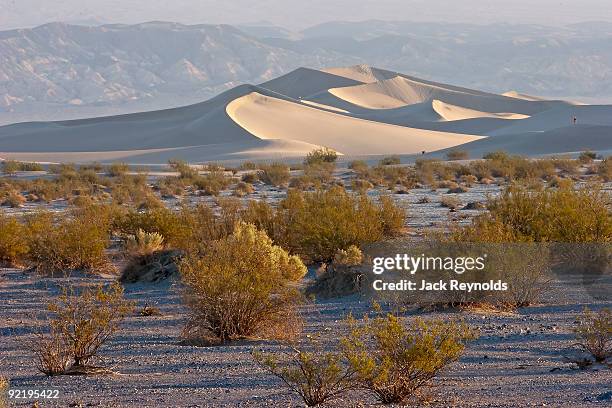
(451, 112)
(271, 118)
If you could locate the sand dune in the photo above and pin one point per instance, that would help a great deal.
(358, 111)
(452, 112)
(272, 118)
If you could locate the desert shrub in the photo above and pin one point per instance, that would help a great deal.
(316, 376)
(14, 200)
(248, 165)
(250, 177)
(304, 182)
(213, 182)
(319, 173)
(457, 155)
(73, 243)
(4, 387)
(450, 202)
(319, 223)
(117, 169)
(161, 220)
(13, 166)
(605, 169)
(143, 243)
(170, 187)
(240, 287)
(274, 174)
(322, 155)
(395, 361)
(391, 216)
(551, 215)
(565, 165)
(80, 322)
(390, 160)
(350, 257)
(359, 166)
(587, 157)
(183, 168)
(361, 186)
(13, 243)
(594, 333)
(243, 189)
(498, 155)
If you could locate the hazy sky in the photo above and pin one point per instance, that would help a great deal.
(299, 14)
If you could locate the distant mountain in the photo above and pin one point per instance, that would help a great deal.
(67, 71)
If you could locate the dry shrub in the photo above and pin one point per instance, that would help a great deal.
(274, 174)
(213, 182)
(361, 186)
(14, 200)
(183, 168)
(395, 361)
(343, 277)
(13, 241)
(594, 333)
(157, 220)
(587, 157)
(450, 202)
(358, 166)
(239, 287)
(143, 243)
(242, 189)
(80, 322)
(4, 388)
(250, 178)
(316, 376)
(605, 169)
(319, 172)
(389, 161)
(457, 155)
(13, 166)
(117, 169)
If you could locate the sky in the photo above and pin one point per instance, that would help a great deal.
(299, 14)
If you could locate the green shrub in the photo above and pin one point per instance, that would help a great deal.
(594, 333)
(322, 155)
(240, 287)
(275, 174)
(13, 242)
(80, 322)
(77, 243)
(394, 361)
(316, 376)
(551, 215)
(317, 224)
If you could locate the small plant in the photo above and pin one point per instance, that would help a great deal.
(457, 155)
(14, 200)
(117, 169)
(183, 168)
(394, 361)
(587, 157)
(359, 166)
(450, 202)
(10, 167)
(605, 169)
(594, 333)
(250, 178)
(322, 155)
(144, 243)
(349, 257)
(275, 174)
(149, 310)
(80, 322)
(239, 287)
(242, 189)
(388, 161)
(13, 243)
(316, 376)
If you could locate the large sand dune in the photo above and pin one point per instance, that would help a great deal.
(358, 111)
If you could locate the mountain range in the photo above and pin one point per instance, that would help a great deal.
(63, 71)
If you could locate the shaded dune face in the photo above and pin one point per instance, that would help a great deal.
(357, 111)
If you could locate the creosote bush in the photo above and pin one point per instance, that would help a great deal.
(274, 174)
(457, 155)
(316, 376)
(13, 242)
(551, 215)
(594, 333)
(240, 287)
(322, 155)
(80, 322)
(12, 166)
(395, 361)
